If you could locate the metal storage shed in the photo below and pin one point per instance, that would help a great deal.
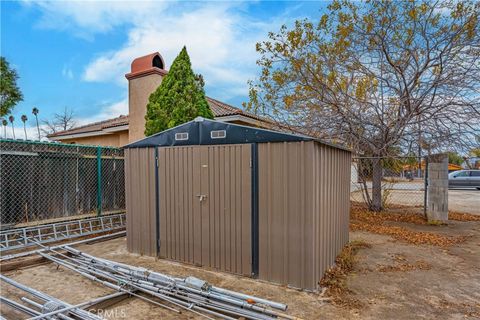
(239, 199)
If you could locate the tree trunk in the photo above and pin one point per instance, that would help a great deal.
(377, 174)
(38, 128)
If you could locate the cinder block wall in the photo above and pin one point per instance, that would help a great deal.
(437, 194)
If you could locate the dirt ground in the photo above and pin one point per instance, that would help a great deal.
(446, 287)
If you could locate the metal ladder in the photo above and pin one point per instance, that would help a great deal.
(24, 237)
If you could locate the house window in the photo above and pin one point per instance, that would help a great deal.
(218, 134)
(181, 136)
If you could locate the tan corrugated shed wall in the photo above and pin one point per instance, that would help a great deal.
(304, 203)
(140, 200)
(214, 232)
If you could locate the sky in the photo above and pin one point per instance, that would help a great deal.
(75, 54)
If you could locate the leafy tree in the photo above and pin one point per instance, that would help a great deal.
(475, 152)
(455, 158)
(179, 98)
(10, 94)
(377, 74)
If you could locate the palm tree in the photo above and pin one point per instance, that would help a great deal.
(11, 119)
(5, 124)
(35, 112)
(24, 120)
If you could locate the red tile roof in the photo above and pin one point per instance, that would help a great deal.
(92, 127)
(219, 109)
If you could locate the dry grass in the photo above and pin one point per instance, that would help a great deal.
(459, 216)
(403, 267)
(361, 213)
(335, 278)
(469, 310)
(403, 234)
(364, 220)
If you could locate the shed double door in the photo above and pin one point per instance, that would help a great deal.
(205, 206)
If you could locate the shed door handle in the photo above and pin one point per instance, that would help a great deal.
(201, 197)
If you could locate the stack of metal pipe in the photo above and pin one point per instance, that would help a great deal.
(175, 294)
(48, 307)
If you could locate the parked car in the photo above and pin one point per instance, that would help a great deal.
(464, 178)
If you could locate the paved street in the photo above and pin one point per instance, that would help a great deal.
(401, 185)
(465, 200)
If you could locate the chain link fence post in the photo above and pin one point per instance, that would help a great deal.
(425, 192)
(99, 181)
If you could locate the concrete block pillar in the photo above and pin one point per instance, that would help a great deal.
(437, 192)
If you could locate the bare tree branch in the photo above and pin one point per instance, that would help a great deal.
(60, 122)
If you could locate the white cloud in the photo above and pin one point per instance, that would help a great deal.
(88, 17)
(114, 109)
(217, 48)
(67, 72)
(106, 111)
(31, 130)
(220, 37)
(220, 40)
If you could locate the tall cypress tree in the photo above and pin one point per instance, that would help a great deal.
(179, 98)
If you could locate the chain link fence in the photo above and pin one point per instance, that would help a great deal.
(47, 182)
(403, 181)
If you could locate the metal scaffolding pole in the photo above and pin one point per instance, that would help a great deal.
(43, 296)
(189, 293)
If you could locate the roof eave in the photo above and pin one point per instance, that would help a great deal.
(153, 70)
(105, 131)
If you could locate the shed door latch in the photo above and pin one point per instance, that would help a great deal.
(201, 197)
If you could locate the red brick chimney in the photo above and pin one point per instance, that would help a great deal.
(145, 76)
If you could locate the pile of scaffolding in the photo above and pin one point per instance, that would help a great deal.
(175, 294)
(48, 307)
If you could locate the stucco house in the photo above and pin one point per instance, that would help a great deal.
(145, 76)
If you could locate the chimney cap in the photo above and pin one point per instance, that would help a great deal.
(152, 63)
(152, 60)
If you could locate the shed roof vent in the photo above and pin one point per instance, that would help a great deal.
(218, 134)
(181, 136)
